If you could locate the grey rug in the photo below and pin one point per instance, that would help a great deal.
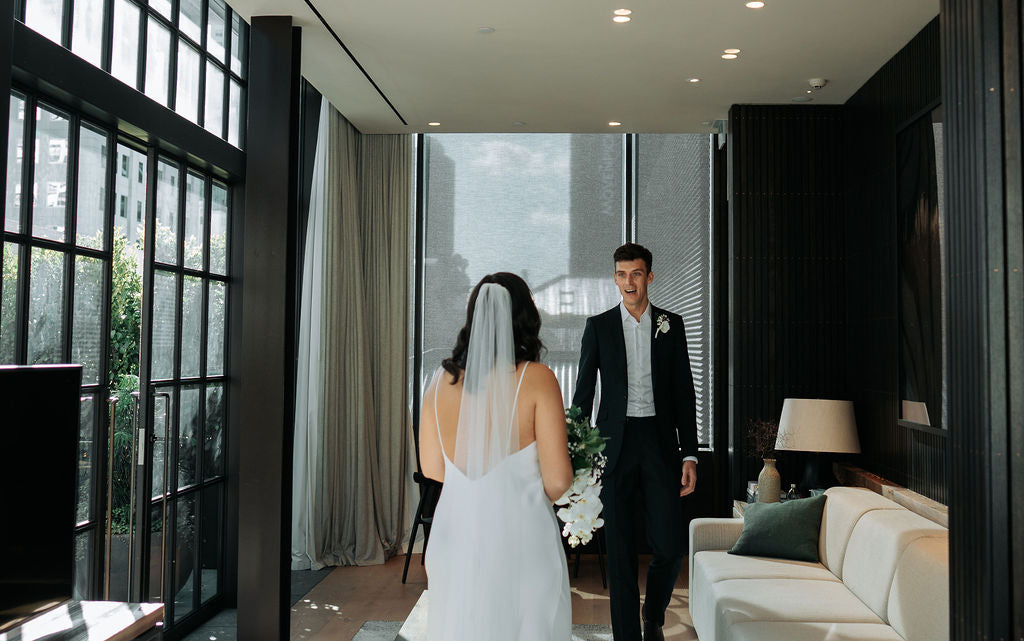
(388, 631)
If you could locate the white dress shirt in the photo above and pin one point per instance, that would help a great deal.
(639, 384)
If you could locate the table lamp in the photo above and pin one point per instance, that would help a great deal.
(817, 425)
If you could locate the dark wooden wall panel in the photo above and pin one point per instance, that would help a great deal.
(787, 276)
(905, 88)
(981, 65)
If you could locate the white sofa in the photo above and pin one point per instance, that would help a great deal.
(883, 575)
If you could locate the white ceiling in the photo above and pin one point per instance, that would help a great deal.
(564, 66)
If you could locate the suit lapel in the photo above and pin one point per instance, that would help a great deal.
(654, 344)
(618, 340)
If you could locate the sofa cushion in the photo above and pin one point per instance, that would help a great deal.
(843, 509)
(918, 605)
(783, 530)
(878, 542)
(807, 631)
(712, 566)
(745, 600)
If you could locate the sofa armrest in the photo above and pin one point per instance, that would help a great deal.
(714, 534)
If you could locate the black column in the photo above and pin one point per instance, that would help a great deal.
(981, 69)
(267, 323)
(6, 30)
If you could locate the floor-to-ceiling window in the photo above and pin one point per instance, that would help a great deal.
(552, 208)
(115, 255)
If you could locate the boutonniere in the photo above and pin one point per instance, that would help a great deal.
(663, 325)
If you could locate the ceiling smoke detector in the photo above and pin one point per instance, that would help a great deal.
(817, 83)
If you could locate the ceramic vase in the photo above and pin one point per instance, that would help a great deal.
(768, 483)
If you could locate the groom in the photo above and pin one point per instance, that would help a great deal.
(648, 413)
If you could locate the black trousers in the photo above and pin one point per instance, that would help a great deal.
(647, 476)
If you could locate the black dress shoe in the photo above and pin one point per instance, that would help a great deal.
(652, 631)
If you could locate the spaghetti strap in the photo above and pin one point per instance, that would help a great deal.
(515, 400)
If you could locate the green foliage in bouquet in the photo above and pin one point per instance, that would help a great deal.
(585, 441)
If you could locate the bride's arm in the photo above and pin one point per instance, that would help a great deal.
(552, 439)
(431, 457)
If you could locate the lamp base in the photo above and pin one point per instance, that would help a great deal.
(817, 471)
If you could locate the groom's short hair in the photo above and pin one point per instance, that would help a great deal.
(633, 251)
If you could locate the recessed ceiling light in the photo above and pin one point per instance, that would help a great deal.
(730, 51)
(729, 56)
(621, 19)
(434, 124)
(755, 4)
(614, 123)
(706, 123)
(802, 99)
(518, 123)
(485, 30)
(694, 80)
(622, 12)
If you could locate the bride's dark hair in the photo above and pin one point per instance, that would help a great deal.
(525, 323)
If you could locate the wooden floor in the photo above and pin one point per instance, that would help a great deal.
(339, 605)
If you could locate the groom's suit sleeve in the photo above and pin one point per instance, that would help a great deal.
(687, 398)
(586, 377)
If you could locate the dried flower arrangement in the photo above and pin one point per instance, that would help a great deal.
(760, 438)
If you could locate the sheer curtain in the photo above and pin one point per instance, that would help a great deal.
(353, 442)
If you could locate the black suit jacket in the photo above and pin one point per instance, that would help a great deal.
(604, 350)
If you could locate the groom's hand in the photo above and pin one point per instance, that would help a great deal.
(689, 480)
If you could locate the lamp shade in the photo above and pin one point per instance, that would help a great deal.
(817, 425)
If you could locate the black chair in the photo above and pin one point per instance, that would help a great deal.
(430, 491)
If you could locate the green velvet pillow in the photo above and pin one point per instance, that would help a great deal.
(786, 530)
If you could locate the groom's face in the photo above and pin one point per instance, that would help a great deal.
(632, 279)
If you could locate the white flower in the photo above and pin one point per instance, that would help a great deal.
(663, 325)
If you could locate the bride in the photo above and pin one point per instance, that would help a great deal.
(493, 431)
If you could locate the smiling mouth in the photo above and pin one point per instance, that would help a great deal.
(630, 291)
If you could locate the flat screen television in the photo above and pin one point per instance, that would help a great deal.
(39, 413)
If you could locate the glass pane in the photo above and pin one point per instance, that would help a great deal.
(510, 191)
(45, 16)
(9, 304)
(185, 555)
(49, 196)
(158, 61)
(216, 26)
(674, 222)
(165, 289)
(124, 61)
(87, 30)
(190, 19)
(163, 7)
(211, 537)
(219, 230)
(167, 177)
(213, 117)
(86, 335)
(15, 152)
(156, 548)
(46, 307)
(91, 203)
(239, 38)
(130, 194)
(235, 115)
(81, 590)
(191, 325)
(187, 101)
(215, 330)
(188, 433)
(195, 221)
(86, 454)
(123, 519)
(163, 417)
(214, 435)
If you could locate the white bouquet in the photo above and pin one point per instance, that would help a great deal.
(582, 501)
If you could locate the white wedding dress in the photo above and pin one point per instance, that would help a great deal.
(495, 565)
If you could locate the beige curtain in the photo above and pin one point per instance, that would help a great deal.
(353, 444)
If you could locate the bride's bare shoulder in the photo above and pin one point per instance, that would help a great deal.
(539, 376)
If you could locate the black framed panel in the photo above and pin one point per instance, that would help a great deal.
(55, 71)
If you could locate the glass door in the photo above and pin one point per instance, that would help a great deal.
(115, 257)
